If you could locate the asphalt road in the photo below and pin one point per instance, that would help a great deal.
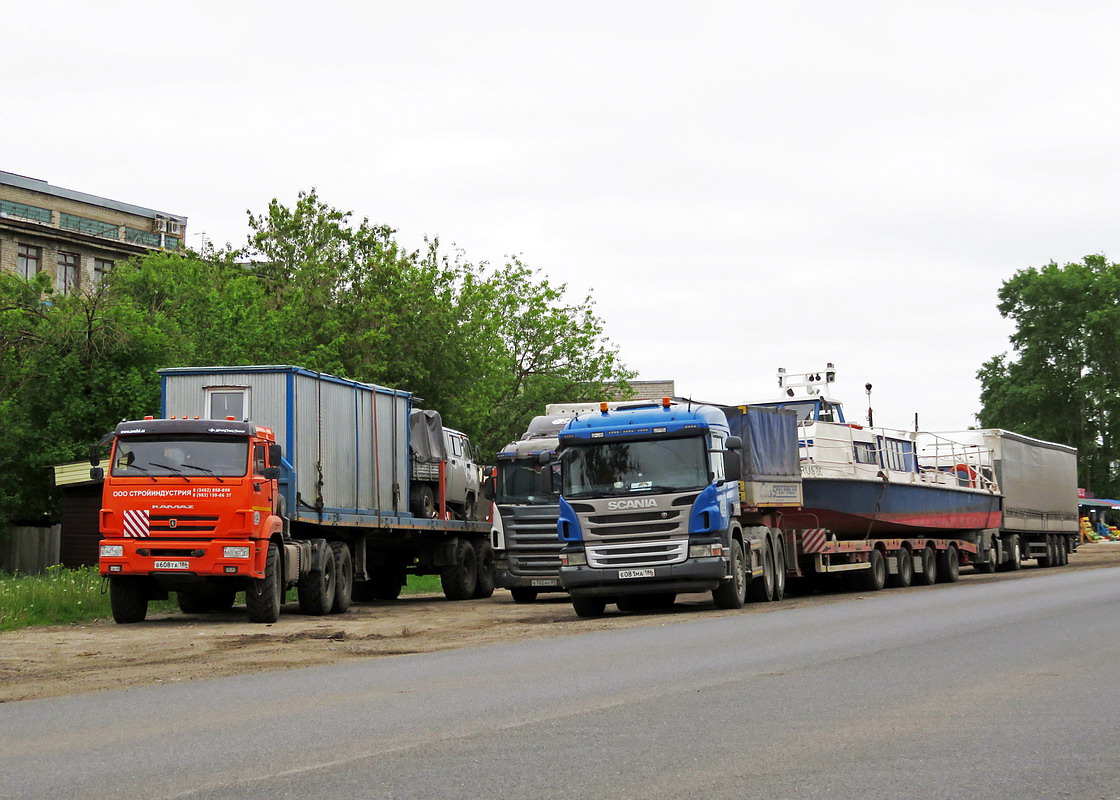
(997, 690)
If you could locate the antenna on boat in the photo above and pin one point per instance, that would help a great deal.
(870, 412)
(915, 422)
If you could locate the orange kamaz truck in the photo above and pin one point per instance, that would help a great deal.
(337, 489)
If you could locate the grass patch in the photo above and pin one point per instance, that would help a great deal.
(422, 584)
(58, 597)
(62, 596)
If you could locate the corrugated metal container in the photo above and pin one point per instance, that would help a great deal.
(345, 441)
(1038, 479)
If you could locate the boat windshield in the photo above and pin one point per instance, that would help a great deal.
(181, 456)
(527, 482)
(662, 465)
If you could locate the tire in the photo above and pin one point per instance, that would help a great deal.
(344, 577)
(761, 590)
(385, 583)
(631, 603)
(423, 501)
(222, 599)
(193, 602)
(733, 593)
(905, 573)
(990, 562)
(928, 575)
(874, 577)
(1048, 559)
(484, 565)
(128, 599)
(262, 596)
(523, 594)
(779, 568)
(1063, 551)
(1014, 554)
(949, 565)
(588, 607)
(459, 580)
(316, 587)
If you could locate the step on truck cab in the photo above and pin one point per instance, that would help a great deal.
(672, 497)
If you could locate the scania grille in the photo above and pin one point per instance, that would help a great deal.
(637, 554)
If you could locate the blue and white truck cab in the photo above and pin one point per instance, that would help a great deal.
(653, 503)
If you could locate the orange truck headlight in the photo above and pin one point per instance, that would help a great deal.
(112, 550)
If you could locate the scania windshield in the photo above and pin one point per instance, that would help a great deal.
(526, 482)
(181, 456)
(662, 465)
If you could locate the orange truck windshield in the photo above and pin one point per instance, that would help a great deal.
(179, 456)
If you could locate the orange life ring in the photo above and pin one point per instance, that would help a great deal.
(966, 475)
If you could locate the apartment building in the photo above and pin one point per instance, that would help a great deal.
(73, 236)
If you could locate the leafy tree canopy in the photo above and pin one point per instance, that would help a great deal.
(1060, 382)
(487, 346)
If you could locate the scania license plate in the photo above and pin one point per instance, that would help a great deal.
(172, 565)
(542, 582)
(636, 573)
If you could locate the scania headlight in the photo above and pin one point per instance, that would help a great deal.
(705, 550)
(235, 552)
(112, 550)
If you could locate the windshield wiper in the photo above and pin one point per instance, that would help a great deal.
(146, 472)
(168, 466)
(207, 470)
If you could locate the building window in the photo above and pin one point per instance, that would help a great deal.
(101, 267)
(91, 226)
(145, 238)
(227, 401)
(66, 279)
(23, 211)
(29, 261)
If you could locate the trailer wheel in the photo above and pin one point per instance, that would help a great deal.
(128, 599)
(385, 583)
(344, 577)
(1014, 554)
(317, 587)
(196, 602)
(732, 593)
(523, 594)
(928, 575)
(949, 566)
(459, 580)
(484, 563)
(1063, 550)
(875, 576)
(779, 568)
(589, 606)
(262, 597)
(991, 560)
(905, 569)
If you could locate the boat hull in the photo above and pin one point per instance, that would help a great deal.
(857, 509)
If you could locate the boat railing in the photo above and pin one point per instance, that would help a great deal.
(900, 455)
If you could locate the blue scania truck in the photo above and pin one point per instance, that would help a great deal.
(676, 497)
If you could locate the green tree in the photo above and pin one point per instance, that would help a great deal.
(1059, 384)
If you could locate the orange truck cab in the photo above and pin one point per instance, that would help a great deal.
(193, 506)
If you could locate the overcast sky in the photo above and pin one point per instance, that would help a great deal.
(742, 186)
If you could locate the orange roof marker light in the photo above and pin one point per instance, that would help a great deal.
(149, 417)
(232, 419)
(666, 402)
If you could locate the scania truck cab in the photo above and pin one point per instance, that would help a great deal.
(649, 499)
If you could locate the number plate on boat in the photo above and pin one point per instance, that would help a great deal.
(636, 573)
(541, 582)
(172, 565)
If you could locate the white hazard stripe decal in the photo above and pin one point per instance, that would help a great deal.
(136, 524)
(813, 540)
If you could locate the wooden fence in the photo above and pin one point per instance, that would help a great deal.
(30, 550)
